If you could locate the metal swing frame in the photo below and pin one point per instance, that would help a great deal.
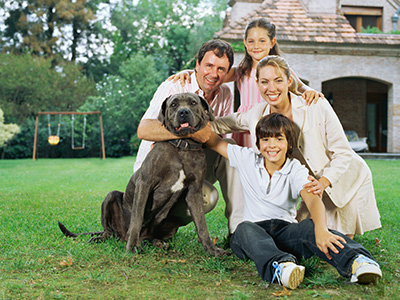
(103, 153)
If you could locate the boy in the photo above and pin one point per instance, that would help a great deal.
(272, 183)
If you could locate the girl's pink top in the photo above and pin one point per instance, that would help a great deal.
(249, 96)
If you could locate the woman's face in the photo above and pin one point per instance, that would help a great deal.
(258, 43)
(274, 86)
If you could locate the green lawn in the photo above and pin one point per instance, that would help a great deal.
(38, 262)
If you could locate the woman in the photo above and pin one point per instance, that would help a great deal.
(342, 176)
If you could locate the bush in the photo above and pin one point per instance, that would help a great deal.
(122, 100)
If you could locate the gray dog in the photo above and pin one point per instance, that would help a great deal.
(170, 177)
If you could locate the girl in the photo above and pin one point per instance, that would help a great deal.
(344, 178)
(259, 41)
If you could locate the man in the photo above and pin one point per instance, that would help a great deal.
(214, 60)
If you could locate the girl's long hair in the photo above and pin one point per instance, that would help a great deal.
(245, 65)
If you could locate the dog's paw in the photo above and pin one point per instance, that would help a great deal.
(160, 244)
(217, 252)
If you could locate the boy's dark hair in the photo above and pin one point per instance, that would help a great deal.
(273, 125)
(219, 47)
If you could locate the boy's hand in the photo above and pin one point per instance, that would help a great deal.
(202, 135)
(312, 96)
(326, 241)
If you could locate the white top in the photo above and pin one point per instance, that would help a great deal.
(268, 197)
(221, 105)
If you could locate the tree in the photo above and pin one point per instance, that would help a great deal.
(30, 84)
(171, 31)
(123, 99)
(51, 28)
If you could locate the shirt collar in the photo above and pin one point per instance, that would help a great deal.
(285, 169)
(196, 89)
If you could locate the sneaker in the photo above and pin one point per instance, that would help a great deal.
(288, 274)
(365, 270)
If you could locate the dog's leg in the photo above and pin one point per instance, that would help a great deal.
(140, 198)
(114, 217)
(195, 204)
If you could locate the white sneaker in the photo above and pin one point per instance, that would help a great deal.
(365, 270)
(288, 274)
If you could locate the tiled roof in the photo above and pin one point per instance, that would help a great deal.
(293, 24)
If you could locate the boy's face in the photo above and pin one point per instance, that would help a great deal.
(274, 150)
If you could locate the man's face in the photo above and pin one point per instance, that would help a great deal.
(211, 72)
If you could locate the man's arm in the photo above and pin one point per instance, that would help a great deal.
(217, 144)
(324, 239)
(153, 130)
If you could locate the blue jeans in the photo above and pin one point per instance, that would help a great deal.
(276, 240)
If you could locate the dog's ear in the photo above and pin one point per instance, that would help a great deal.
(161, 115)
(207, 108)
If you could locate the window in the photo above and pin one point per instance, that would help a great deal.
(362, 17)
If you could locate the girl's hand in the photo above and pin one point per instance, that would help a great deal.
(326, 241)
(311, 96)
(314, 186)
(183, 76)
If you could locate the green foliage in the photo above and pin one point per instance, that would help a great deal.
(122, 100)
(370, 29)
(7, 131)
(375, 30)
(172, 35)
(54, 29)
(238, 47)
(38, 262)
(29, 85)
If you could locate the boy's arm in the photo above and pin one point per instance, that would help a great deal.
(153, 130)
(324, 239)
(217, 144)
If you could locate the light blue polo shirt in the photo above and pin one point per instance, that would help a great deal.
(268, 198)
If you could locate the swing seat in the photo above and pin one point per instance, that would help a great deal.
(78, 148)
(54, 140)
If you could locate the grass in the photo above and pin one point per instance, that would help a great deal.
(38, 262)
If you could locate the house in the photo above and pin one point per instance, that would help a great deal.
(359, 73)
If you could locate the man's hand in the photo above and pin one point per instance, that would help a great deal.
(326, 241)
(202, 135)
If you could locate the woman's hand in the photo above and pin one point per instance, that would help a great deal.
(326, 241)
(183, 76)
(311, 96)
(314, 186)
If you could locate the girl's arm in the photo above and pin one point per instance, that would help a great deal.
(324, 239)
(309, 94)
(217, 144)
(184, 76)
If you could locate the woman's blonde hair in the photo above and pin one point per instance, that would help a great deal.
(283, 68)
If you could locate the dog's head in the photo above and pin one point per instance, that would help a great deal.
(185, 113)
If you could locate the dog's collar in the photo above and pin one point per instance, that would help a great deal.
(186, 144)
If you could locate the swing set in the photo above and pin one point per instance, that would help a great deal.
(55, 139)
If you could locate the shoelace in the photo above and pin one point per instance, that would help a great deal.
(277, 273)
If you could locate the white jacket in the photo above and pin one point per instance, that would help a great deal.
(321, 141)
